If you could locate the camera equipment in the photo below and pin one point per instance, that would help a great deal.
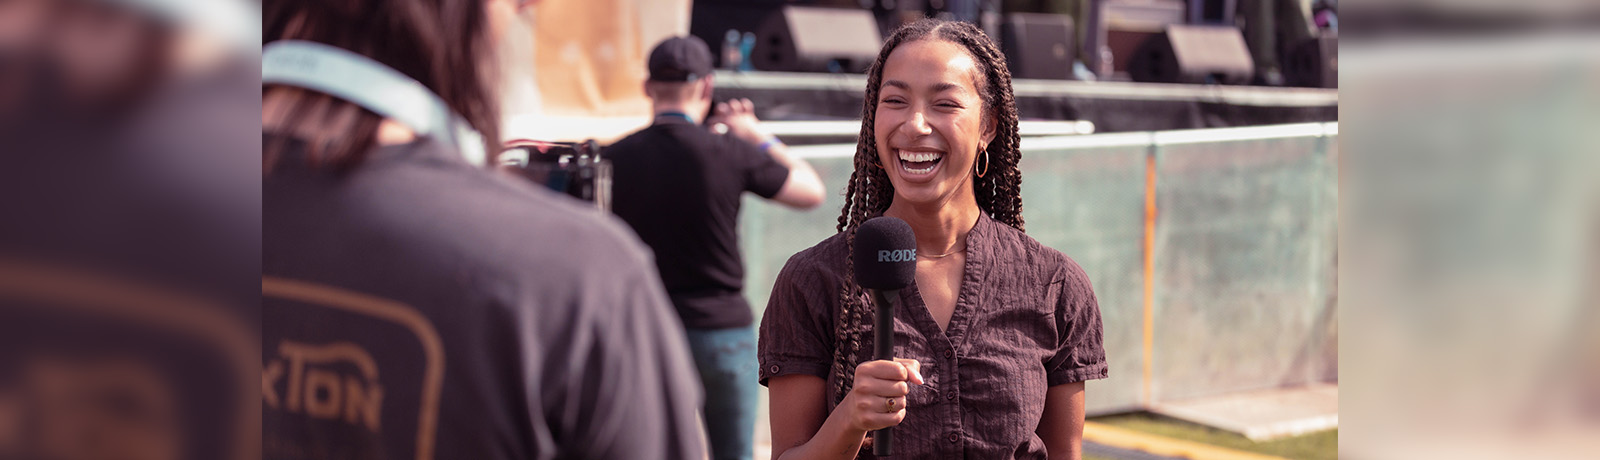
(573, 168)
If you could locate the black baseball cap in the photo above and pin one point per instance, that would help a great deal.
(680, 59)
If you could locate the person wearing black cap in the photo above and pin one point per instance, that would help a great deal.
(679, 186)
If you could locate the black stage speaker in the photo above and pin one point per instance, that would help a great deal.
(1038, 45)
(712, 19)
(1313, 63)
(1212, 11)
(1193, 54)
(810, 39)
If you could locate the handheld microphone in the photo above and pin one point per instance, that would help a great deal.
(885, 262)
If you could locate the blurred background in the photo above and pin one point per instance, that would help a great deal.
(1080, 66)
(1183, 152)
(1468, 230)
(1191, 156)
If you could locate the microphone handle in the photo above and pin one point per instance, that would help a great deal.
(883, 348)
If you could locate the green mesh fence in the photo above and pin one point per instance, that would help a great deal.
(1244, 268)
(1088, 203)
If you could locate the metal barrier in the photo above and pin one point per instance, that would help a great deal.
(1212, 252)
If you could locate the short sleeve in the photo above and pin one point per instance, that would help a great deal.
(1080, 353)
(796, 332)
(763, 175)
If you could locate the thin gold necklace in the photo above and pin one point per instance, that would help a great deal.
(947, 254)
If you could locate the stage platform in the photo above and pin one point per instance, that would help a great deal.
(1110, 106)
(1263, 415)
(815, 108)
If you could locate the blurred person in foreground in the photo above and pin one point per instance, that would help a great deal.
(129, 256)
(999, 332)
(679, 185)
(75, 69)
(416, 305)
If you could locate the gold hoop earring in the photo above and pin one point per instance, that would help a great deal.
(985, 163)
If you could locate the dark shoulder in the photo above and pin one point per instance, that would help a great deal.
(821, 265)
(1023, 251)
(707, 142)
(541, 224)
(505, 226)
(635, 141)
(684, 136)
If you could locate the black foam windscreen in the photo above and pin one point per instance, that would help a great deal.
(885, 254)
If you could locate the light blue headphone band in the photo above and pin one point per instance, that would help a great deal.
(372, 85)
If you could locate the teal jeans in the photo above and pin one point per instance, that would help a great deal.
(726, 359)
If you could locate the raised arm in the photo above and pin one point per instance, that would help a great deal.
(803, 188)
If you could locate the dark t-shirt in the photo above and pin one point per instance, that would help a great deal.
(129, 271)
(679, 186)
(418, 307)
(1025, 319)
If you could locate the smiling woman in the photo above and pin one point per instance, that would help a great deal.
(997, 334)
(931, 124)
(965, 83)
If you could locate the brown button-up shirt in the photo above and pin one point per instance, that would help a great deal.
(1025, 320)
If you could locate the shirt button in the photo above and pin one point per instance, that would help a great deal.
(954, 438)
(951, 395)
(949, 354)
(773, 370)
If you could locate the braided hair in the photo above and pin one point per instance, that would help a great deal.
(869, 192)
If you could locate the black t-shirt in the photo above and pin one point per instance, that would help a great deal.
(418, 307)
(679, 186)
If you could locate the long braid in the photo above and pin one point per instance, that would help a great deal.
(999, 192)
(869, 191)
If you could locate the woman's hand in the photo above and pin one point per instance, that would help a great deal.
(802, 430)
(878, 399)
